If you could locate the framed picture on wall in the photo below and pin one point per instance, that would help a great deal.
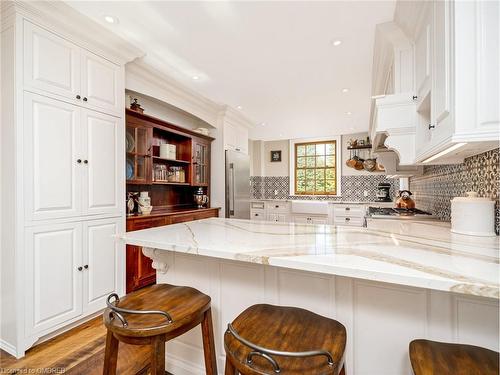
(276, 156)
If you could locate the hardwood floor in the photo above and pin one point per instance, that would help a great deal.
(78, 351)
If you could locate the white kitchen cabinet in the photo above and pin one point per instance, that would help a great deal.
(101, 87)
(102, 138)
(62, 161)
(279, 218)
(72, 162)
(348, 214)
(51, 63)
(53, 278)
(456, 57)
(71, 268)
(52, 144)
(235, 137)
(423, 52)
(441, 75)
(57, 66)
(310, 219)
(102, 263)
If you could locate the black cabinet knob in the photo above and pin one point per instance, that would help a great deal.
(414, 97)
(80, 268)
(78, 97)
(85, 162)
(79, 161)
(431, 126)
(86, 266)
(84, 99)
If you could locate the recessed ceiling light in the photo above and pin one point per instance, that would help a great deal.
(281, 135)
(337, 43)
(348, 113)
(345, 89)
(239, 107)
(262, 124)
(110, 19)
(195, 78)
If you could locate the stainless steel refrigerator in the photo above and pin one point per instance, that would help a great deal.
(237, 185)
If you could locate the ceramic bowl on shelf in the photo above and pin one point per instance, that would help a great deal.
(130, 169)
(145, 210)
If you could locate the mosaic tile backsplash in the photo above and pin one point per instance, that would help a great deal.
(434, 190)
(352, 188)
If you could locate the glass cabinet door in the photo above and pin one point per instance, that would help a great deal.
(137, 143)
(200, 163)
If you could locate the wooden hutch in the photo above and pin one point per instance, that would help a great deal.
(171, 182)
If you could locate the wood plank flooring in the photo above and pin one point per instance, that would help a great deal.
(78, 351)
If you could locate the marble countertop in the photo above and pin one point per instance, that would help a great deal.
(415, 254)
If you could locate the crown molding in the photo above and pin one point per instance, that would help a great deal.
(64, 20)
(143, 78)
(235, 117)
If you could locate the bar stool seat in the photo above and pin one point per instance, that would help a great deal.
(154, 315)
(266, 339)
(440, 358)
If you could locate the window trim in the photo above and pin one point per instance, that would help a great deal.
(338, 164)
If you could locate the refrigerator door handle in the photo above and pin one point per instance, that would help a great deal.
(231, 189)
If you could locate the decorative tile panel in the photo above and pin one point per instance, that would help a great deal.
(439, 184)
(353, 187)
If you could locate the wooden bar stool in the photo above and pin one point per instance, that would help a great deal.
(440, 358)
(154, 315)
(266, 339)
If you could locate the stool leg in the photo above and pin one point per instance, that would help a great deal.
(208, 343)
(230, 369)
(158, 355)
(111, 354)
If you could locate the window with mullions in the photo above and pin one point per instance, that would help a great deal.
(316, 168)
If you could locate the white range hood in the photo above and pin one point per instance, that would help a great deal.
(394, 112)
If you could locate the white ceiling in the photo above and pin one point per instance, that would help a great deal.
(275, 59)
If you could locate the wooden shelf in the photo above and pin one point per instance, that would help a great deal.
(171, 183)
(359, 147)
(171, 160)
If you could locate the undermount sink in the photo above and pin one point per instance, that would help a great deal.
(310, 207)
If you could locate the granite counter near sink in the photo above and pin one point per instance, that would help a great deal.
(401, 284)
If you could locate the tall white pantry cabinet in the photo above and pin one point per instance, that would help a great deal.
(62, 159)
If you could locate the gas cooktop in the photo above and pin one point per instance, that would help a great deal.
(396, 213)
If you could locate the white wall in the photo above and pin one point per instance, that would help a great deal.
(261, 164)
(166, 112)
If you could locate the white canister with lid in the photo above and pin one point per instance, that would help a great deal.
(473, 215)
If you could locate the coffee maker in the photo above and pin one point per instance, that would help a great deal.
(200, 198)
(383, 192)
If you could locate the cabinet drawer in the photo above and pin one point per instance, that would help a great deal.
(257, 215)
(257, 205)
(146, 223)
(349, 211)
(349, 221)
(277, 206)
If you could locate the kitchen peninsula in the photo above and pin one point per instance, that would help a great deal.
(387, 288)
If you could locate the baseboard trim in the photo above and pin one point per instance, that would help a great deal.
(178, 366)
(9, 348)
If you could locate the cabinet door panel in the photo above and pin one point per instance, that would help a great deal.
(52, 150)
(441, 62)
(52, 277)
(102, 257)
(423, 54)
(103, 147)
(51, 63)
(100, 83)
